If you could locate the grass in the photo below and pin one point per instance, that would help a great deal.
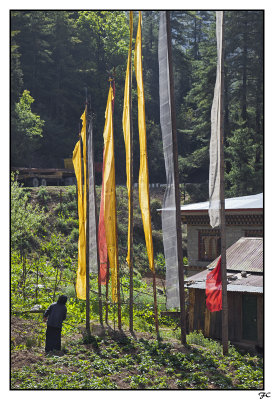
(120, 361)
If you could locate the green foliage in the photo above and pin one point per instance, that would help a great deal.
(27, 121)
(244, 175)
(43, 197)
(27, 129)
(56, 53)
(108, 362)
(25, 219)
(156, 219)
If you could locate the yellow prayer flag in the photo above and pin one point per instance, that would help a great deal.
(84, 141)
(143, 171)
(109, 196)
(81, 271)
(126, 129)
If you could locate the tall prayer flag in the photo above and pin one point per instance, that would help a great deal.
(102, 243)
(214, 288)
(110, 197)
(126, 129)
(81, 271)
(169, 201)
(92, 216)
(214, 149)
(143, 171)
(84, 142)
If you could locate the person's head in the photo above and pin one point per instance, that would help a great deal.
(62, 299)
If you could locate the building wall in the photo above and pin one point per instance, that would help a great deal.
(210, 323)
(233, 233)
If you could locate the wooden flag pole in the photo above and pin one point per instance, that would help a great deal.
(222, 212)
(155, 305)
(87, 235)
(107, 280)
(176, 185)
(131, 204)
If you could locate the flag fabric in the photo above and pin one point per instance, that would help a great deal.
(214, 288)
(214, 149)
(92, 222)
(81, 271)
(169, 203)
(143, 171)
(84, 143)
(102, 243)
(126, 130)
(110, 196)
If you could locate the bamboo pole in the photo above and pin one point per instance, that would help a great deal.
(222, 212)
(131, 204)
(176, 185)
(100, 296)
(107, 280)
(155, 305)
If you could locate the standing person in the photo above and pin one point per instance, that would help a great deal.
(55, 315)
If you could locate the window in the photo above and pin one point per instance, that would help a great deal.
(209, 245)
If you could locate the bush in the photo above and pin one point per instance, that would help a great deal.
(43, 195)
(25, 219)
(156, 219)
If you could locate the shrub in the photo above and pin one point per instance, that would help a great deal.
(25, 219)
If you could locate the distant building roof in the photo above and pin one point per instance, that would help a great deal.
(234, 203)
(244, 262)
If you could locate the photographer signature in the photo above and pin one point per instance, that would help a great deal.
(264, 394)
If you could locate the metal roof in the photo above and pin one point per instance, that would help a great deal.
(235, 282)
(244, 268)
(234, 203)
(244, 255)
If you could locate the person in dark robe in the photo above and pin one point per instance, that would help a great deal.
(55, 315)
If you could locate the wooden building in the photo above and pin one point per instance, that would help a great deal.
(244, 218)
(244, 292)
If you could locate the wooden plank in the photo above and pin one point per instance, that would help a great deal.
(237, 317)
(191, 309)
(231, 315)
(207, 322)
(260, 320)
(199, 310)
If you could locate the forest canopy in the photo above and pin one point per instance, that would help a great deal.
(55, 55)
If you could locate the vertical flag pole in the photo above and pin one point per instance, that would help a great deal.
(176, 186)
(87, 231)
(107, 280)
(222, 204)
(131, 199)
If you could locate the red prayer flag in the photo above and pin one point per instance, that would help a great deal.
(214, 288)
(102, 243)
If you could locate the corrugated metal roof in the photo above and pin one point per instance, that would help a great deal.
(234, 203)
(235, 282)
(230, 287)
(244, 255)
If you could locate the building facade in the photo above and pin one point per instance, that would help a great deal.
(244, 218)
(244, 296)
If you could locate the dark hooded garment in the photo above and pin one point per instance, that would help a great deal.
(56, 314)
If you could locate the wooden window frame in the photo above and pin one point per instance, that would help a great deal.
(211, 234)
